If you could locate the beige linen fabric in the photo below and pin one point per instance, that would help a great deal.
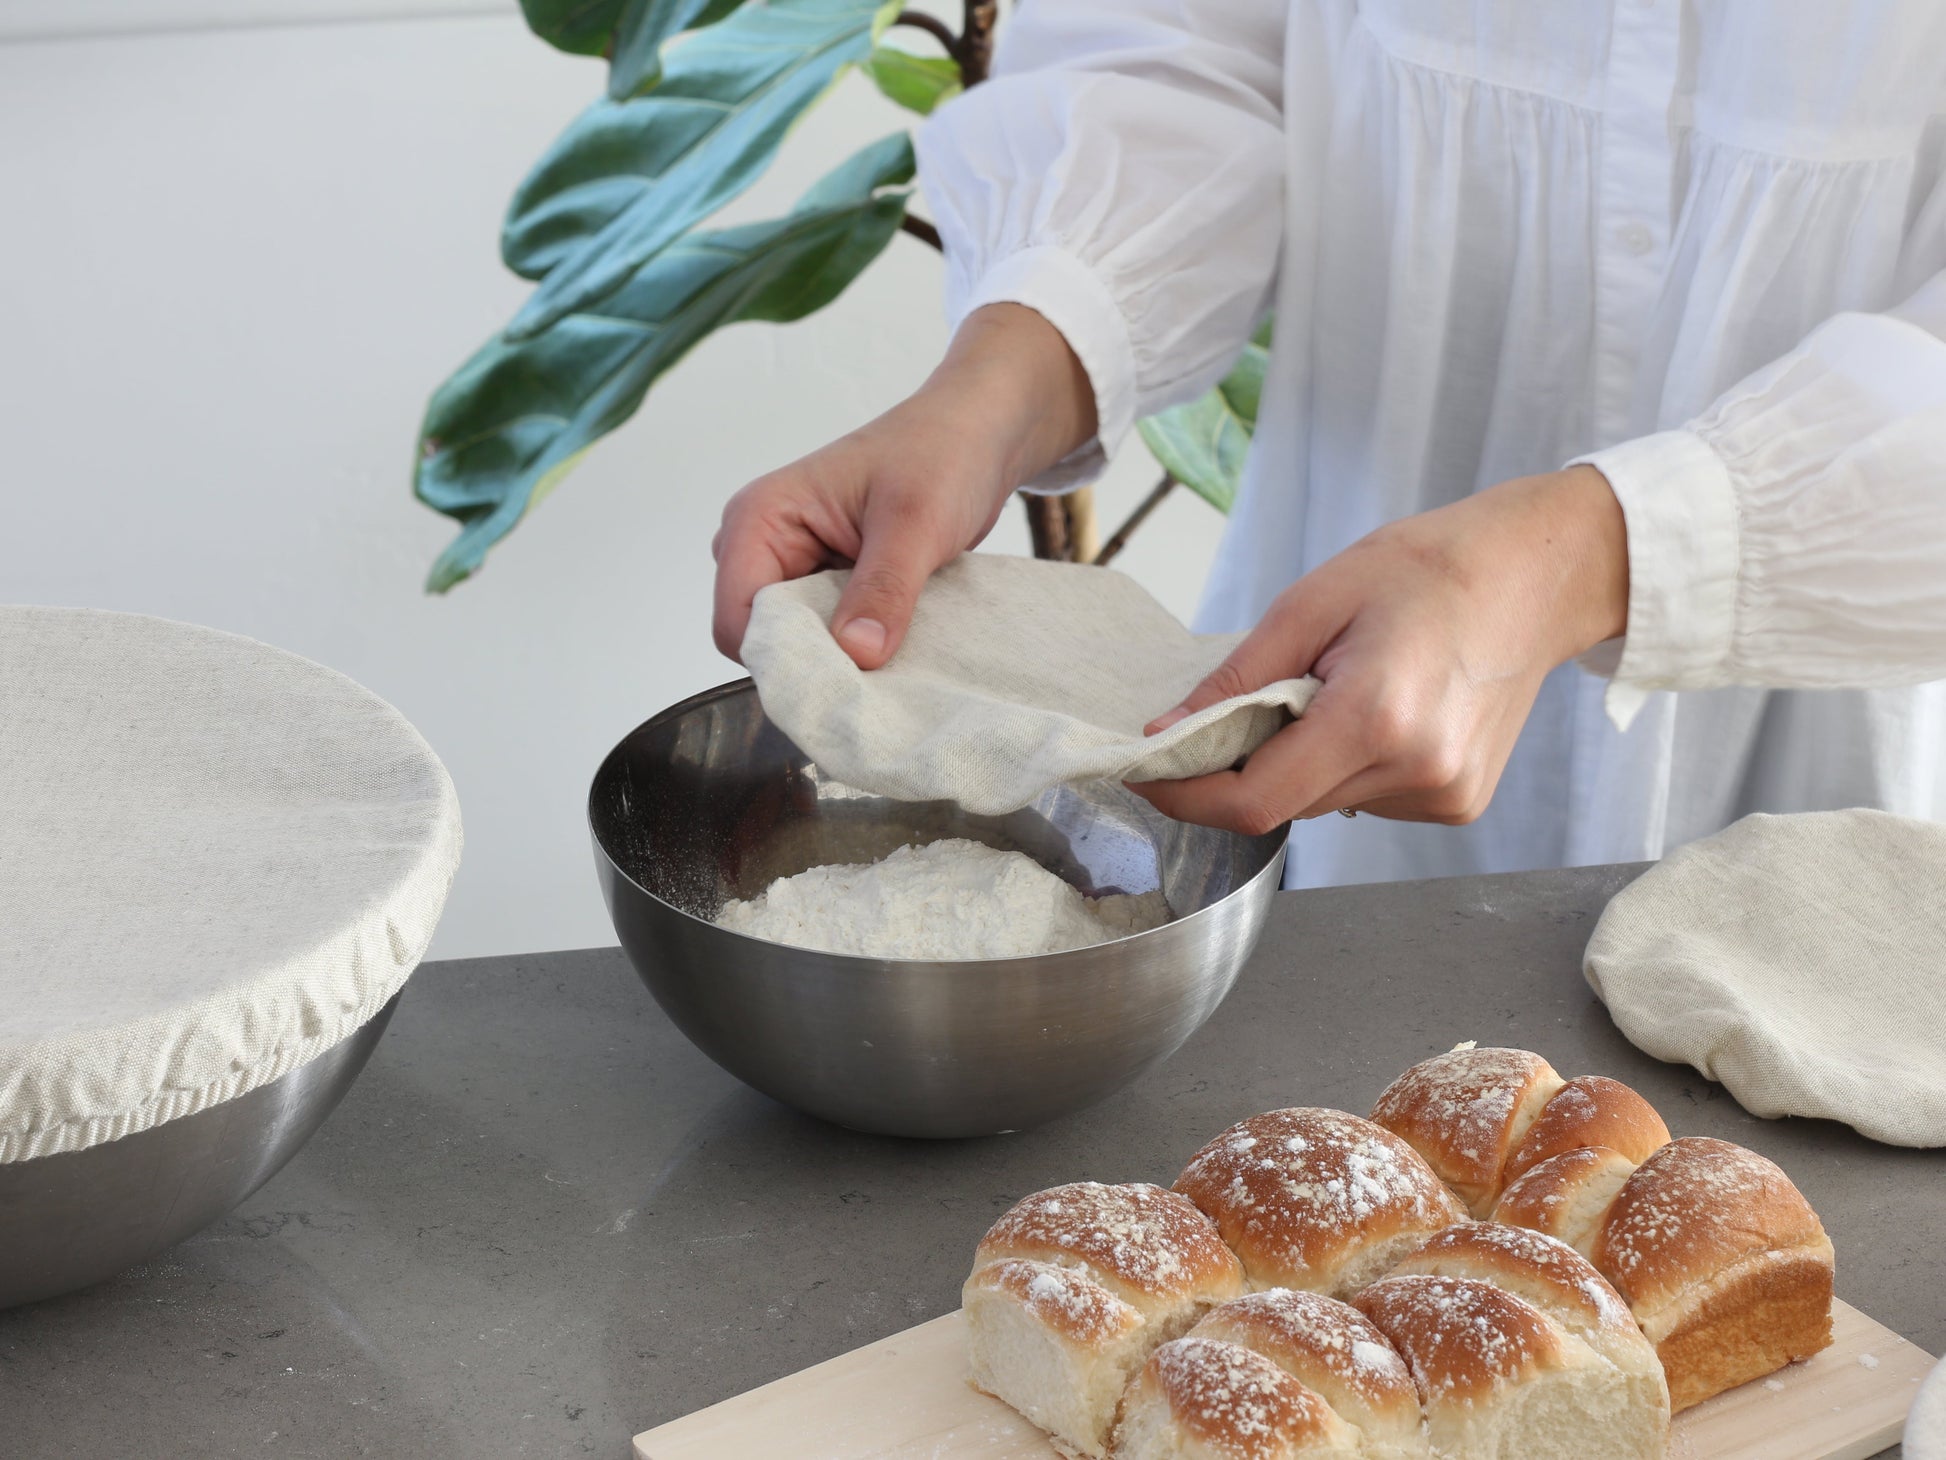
(1800, 960)
(216, 861)
(1017, 676)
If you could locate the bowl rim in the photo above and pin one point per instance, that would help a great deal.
(1274, 865)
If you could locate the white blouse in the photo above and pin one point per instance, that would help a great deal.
(1701, 243)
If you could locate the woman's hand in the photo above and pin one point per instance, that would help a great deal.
(906, 493)
(1432, 636)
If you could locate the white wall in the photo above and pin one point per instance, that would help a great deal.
(233, 263)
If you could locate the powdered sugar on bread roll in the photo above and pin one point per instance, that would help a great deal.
(1465, 1112)
(1504, 1380)
(1723, 1262)
(1074, 1287)
(1567, 1196)
(1205, 1399)
(1334, 1351)
(1590, 1111)
(1552, 1277)
(1316, 1199)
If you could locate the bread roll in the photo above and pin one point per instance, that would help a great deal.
(1466, 1111)
(1549, 1275)
(1334, 1351)
(1504, 1380)
(1591, 1111)
(1204, 1399)
(1726, 1267)
(1567, 1196)
(1316, 1199)
(1074, 1287)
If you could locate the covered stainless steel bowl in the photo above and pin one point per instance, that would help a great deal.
(70, 1221)
(709, 801)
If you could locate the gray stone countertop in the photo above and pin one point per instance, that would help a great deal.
(541, 1222)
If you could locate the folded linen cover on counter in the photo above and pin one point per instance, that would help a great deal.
(1017, 676)
(1800, 960)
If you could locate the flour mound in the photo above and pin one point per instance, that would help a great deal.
(946, 900)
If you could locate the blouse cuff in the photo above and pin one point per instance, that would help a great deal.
(1683, 557)
(1068, 295)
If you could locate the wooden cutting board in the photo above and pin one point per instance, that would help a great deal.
(906, 1398)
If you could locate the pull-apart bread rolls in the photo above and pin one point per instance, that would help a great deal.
(1620, 1276)
(1316, 1199)
(1503, 1380)
(1591, 1112)
(1333, 1350)
(1484, 1117)
(1566, 1196)
(1072, 1290)
(1726, 1267)
(1466, 1111)
(1521, 1350)
(1552, 1277)
(1278, 1375)
(1199, 1399)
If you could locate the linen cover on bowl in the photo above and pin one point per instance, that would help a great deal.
(217, 860)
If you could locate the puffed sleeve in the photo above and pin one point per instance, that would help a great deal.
(1122, 175)
(1794, 534)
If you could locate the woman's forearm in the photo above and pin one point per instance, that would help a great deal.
(1009, 372)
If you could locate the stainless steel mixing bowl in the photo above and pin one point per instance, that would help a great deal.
(74, 1219)
(709, 801)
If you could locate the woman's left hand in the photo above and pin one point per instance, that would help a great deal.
(1431, 637)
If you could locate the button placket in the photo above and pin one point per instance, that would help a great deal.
(1632, 198)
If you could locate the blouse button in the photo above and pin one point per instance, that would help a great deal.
(1635, 238)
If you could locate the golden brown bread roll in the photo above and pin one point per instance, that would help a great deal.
(1316, 1199)
(1204, 1399)
(1551, 1276)
(1465, 1112)
(1723, 1262)
(1501, 1378)
(1567, 1196)
(1074, 1287)
(1590, 1111)
(1334, 1351)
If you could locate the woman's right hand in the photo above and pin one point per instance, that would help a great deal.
(906, 493)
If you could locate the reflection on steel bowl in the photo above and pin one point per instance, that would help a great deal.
(71, 1220)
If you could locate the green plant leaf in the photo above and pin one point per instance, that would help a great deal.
(1203, 444)
(582, 27)
(517, 417)
(636, 61)
(629, 178)
(917, 83)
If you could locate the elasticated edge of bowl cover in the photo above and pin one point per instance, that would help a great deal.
(217, 860)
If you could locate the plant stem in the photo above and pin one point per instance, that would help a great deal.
(1135, 519)
(1062, 528)
(1047, 525)
(932, 26)
(975, 53)
(920, 229)
(1084, 537)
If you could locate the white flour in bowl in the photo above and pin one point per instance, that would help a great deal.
(946, 900)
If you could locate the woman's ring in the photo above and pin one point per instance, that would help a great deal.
(1346, 811)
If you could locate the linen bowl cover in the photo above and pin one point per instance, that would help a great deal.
(1798, 960)
(217, 860)
(1016, 676)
